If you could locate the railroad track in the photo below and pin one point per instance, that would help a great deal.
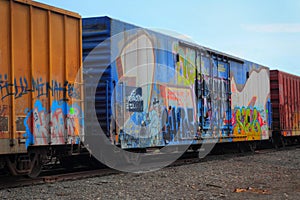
(57, 175)
(12, 182)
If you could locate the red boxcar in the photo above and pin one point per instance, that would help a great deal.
(285, 97)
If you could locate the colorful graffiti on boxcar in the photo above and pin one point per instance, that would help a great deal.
(162, 83)
(62, 124)
(213, 104)
(232, 105)
(247, 122)
(250, 102)
(158, 125)
(185, 67)
(58, 123)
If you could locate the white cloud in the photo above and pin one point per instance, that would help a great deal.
(273, 28)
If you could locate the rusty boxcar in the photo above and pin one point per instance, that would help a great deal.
(40, 82)
(285, 95)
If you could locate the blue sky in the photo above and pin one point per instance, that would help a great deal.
(263, 31)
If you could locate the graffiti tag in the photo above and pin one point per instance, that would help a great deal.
(20, 87)
(247, 121)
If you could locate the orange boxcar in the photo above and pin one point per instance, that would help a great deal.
(40, 77)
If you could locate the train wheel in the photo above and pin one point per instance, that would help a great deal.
(36, 165)
(11, 162)
(28, 164)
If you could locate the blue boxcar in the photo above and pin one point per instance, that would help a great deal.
(154, 89)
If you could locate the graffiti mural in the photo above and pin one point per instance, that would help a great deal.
(214, 109)
(62, 124)
(223, 100)
(159, 126)
(143, 128)
(162, 110)
(214, 112)
(247, 122)
(250, 105)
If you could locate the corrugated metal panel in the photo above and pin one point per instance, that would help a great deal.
(275, 98)
(285, 89)
(40, 55)
(96, 39)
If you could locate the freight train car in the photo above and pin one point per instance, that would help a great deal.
(40, 83)
(156, 90)
(153, 90)
(285, 96)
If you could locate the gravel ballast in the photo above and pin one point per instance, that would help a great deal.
(274, 175)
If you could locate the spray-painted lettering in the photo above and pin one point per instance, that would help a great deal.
(21, 86)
